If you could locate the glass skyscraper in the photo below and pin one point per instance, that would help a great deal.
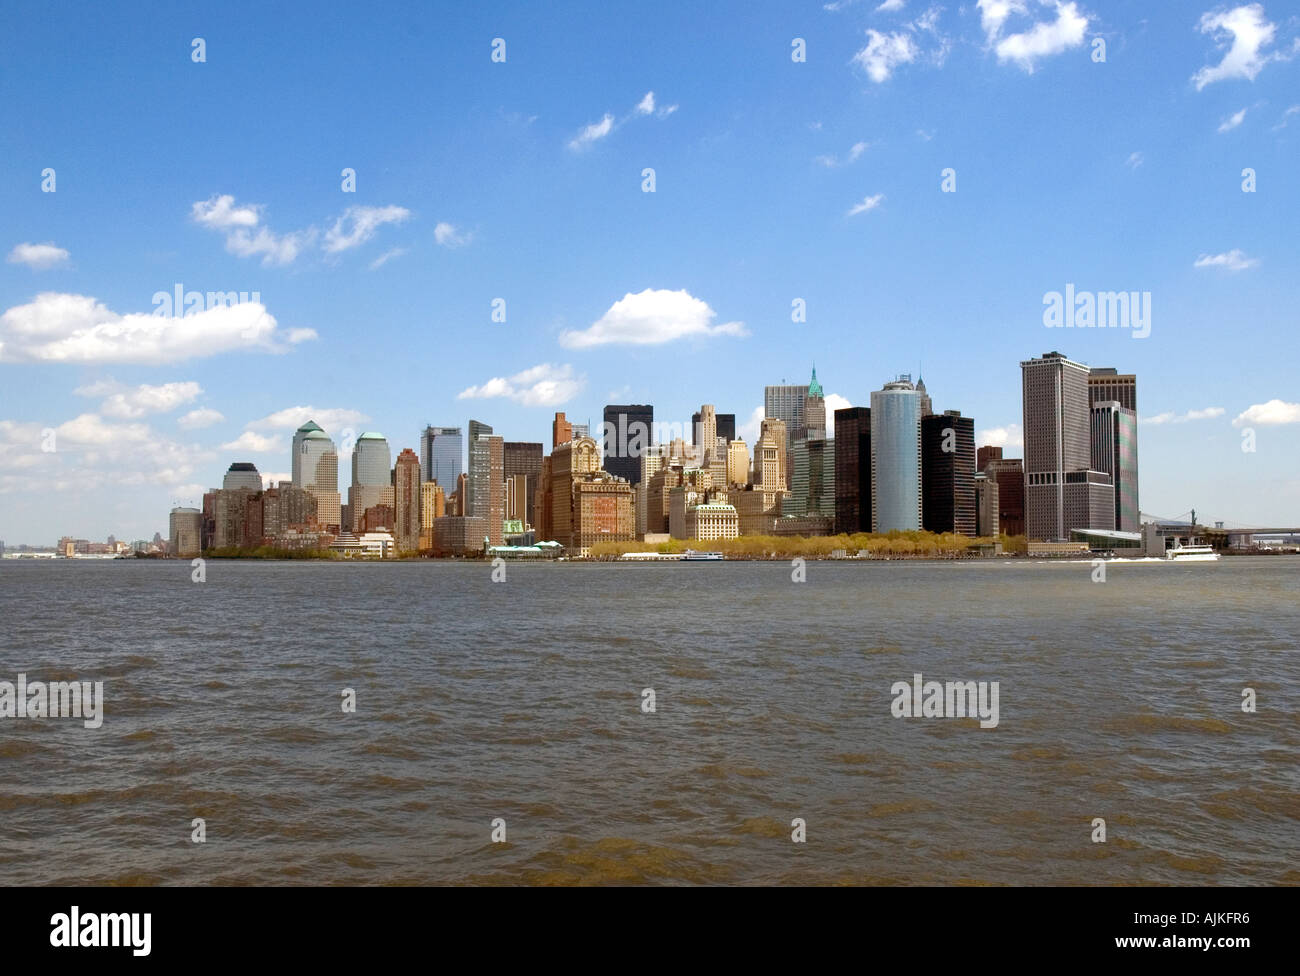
(896, 457)
(441, 450)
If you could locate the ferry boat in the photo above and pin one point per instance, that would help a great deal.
(1191, 554)
(692, 555)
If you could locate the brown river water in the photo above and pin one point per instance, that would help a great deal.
(522, 700)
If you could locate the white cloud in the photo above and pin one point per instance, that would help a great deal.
(1135, 159)
(1234, 260)
(1169, 417)
(890, 5)
(291, 418)
(592, 133)
(202, 417)
(359, 224)
(252, 442)
(867, 204)
(38, 257)
(750, 430)
(834, 402)
(1232, 121)
(448, 236)
(383, 259)
(1268, 414)
(1286, 117)
(275, 249)
(884, 52)
(146, 399)
(853, 155)
(220, 213)
(1044, 39)
(1009, 436)
(647, 104)
(1250, 33)
(544, 385)
(271, 478)
(652, 317)
(65, 328)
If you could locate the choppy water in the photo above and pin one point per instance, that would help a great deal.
(521, 700)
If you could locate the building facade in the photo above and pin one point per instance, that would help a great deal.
(852, 470)
(896, 457)
(948, 473)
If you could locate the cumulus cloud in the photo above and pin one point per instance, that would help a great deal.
(1232, 121)
(1170, 417)
(359, 224)
(251, 442)
(1268, 414)
(867, 204)
(38, 257)
(652, 317)
(1009, 436)
(447, 235)
(544, 385)
(219, 212)
(1234, 260)
(592, 133)
(884, 52)
(63, 328)
(751, 429)
(291, 418)
(834, 402)
(197, 419)
(1245, 31)
(1039, 40)
(142, 400)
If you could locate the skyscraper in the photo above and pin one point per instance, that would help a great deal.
(1105, 383)
(1114, 450)
(441, 449)
(948, 473)
(786, 403)
(295, 461)
(1062, 491)
(724, 424)
(242, 476)
(372, 477)
(853, 470)
(524, 458)
(316, 468)
(406, 491)
(627, 434)
(561, 431)
(485, 486)
(896, 457)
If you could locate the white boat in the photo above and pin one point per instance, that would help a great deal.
(693, 556)
(1191, 554)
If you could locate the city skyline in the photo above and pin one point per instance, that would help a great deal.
(800, 217)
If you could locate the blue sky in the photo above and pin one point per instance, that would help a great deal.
(522, 180)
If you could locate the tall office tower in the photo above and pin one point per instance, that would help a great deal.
(242, 476)
(441, 449)
(372, 477)
(627, 435)
(985, 454)
(725, 424)
(986, 505)
(852, 470)
(652, 463)
(1114, 450)
(948, 473)
(485, 487)
(406, 494)
(786, 403)
(737, 463)
(516, 498)
(814, 410)
(927, 408)
(561, 431)
(706, 431)
(1105, 383)
(302, 433)
(316, 468)
(581, 430)
(525, 458)
(812, 490)
(1058, 452)
(771, 460)
(1009, 476)
(185, 532)
(896, 457)
(433, 504)
(568, 463)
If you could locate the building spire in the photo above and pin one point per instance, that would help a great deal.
(814, 388)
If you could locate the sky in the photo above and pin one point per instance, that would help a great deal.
(438, 212)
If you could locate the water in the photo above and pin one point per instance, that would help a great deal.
(521, 700)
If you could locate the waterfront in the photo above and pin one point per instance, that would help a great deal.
(521, 700)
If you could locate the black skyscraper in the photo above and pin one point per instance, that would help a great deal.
(629, 429)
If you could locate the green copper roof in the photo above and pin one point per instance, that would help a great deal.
(309, 425)
(815, 388)
(371, 435)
